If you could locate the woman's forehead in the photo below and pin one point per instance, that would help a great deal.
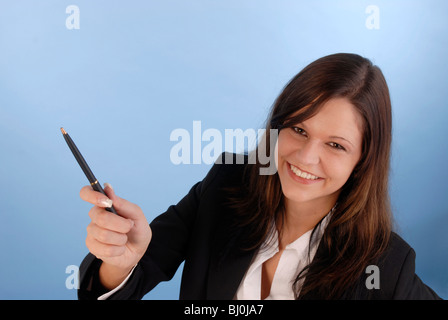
(337, 117)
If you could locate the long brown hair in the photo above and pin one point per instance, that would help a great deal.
(359, 228)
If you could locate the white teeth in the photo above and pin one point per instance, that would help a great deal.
(303, 174)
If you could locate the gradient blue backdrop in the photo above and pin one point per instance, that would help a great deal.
(137, 70)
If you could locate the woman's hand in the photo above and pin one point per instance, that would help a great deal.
(118, 240)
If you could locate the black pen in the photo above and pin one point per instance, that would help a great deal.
(85, 167)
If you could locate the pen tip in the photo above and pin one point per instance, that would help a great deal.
(63, 131)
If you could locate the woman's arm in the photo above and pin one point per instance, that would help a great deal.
(160, 260)
(409, 286)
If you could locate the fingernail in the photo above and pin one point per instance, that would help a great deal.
(105, 202)
(107, 184)
(132, 223)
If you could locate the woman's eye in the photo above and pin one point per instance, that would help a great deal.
(299, 131)
(337, 146)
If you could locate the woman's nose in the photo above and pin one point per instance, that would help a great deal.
(308, 153)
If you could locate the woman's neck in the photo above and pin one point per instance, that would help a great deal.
(299, 218)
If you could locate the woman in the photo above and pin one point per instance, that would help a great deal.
(315, 229)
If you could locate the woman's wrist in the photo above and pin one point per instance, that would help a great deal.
(112, 276)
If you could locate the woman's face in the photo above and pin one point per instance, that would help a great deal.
(316, 157)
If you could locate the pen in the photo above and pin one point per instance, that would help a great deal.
(85, 167)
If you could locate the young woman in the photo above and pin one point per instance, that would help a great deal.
(318, 228)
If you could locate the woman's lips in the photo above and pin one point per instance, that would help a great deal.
(302, 176)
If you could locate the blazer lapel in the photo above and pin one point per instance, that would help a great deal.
(226, 273)
(228, 262)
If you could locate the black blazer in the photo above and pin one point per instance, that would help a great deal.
(197, 230)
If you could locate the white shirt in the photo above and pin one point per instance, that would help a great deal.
(293, 259)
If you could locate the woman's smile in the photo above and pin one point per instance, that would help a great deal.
(302, 176)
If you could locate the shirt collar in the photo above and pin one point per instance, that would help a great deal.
(270, 245)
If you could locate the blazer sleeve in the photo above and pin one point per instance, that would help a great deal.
(166, 251)
(409, 286)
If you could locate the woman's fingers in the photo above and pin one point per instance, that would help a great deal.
(123, 207)
(110, 221)
(94, 197)
(119, 240)
(103, 250)
(106, 236)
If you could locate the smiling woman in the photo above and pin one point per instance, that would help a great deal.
(311, 230)
(332, 154)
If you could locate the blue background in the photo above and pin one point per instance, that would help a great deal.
(137, 70)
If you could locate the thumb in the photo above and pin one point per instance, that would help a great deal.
(124, 208)
(110, 192)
